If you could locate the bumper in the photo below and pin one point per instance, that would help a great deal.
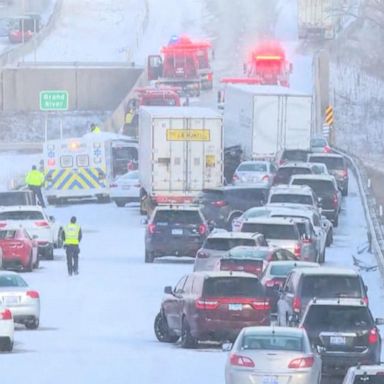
(7, 328)
(15, 261)
(330, 214)
(23, 314)
(169, 246)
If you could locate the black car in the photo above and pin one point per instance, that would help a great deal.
(174, 231)
(344, 333)
(9, 198)
(286, 155)
(223, 205)
(285, 172)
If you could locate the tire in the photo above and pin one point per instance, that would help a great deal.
(149, 257)
(33, 324)
(161, 329)
(344, 192)
(36, 265)
(322, 258)
(59, 243)
(187, 341)
(48, 253)
(336, 221)
(120, 204)
(329, 240)
(6, 346)
(29, 267)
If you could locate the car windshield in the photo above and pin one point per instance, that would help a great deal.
(12, 281)
(167, 217)
(331, 286)
(220, 244)
(375, 378)
(7, 234)
(331, 162)
(318, 142)
(252, 167)
(272, 231)
(232, 287)
(321, 187)
(276, 342)
(295, 155)
(291, 198)
(343, 317)
(21, 215)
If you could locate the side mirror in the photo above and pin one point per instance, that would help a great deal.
(52, 218)
(379, 321)
(168, 290)
(226, 346)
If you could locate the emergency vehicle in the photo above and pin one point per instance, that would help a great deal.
(83, 167)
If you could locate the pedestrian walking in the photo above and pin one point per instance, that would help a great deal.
(35, 180)
(72, 236)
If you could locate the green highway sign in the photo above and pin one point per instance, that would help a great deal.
(56, 100)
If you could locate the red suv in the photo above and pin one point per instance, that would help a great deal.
(211, 306)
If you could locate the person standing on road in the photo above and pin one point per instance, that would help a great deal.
(95, 128)
(35, 180)
(72, 236)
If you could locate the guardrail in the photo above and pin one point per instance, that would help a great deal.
(375, 232)
(21, 146)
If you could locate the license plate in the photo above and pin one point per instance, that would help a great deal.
(177, 231)
(269, 380)
(337, 340)
(11, 300)
(235, 307)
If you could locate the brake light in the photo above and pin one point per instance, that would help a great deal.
(334, 201)
(42, 223)
(202, 229)
(235, 177)
(327, 149)
(261, 305)
(219, 203)
(33, 294)
(3, 225)
(265, 178)
(365, 300)
(302, 362)
(307, 241)
(296, 304)
(297, 250)
(151, 228)
(271, 283)
(373, 336)
(241, 361)
(206, 304)
(6, 315)
(202, 255)
(210, 76)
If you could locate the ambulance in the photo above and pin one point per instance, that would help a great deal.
(82, 168)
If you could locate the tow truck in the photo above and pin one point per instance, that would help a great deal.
(182, 63)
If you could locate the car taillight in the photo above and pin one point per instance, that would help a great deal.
(206, 304)
(202, 229)
(302, 362)
(202, 255)
(334, 201)
(373, 336)
(33, 294)
(41, 223)
(235, 177)
(365, 300)
(261, 305)
(151, 228)
(297, 250)
(16, 244)
(265, 178)
(241, 361)
(6, 315)
(327, 149)
(271, 283)
(219, 203)
(307, 241)
(3, 225)
(296, 304)
(210, 76)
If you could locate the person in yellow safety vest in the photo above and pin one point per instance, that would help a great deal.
(129, 117)
(72, 236)
(95, 128)
(35, 180)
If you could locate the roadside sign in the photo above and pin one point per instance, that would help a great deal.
(54, 100)
(329, 116)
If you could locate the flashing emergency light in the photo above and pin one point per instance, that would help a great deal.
(73, 145)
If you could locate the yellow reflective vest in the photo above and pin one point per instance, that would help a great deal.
(72, 232)
(35, 178)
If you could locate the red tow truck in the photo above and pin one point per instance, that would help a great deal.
(183, 63)
(267, 65)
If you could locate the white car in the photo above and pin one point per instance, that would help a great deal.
(43, 228)
(20, 299)
(125, 189)
(7, 328)
(373, 374)
(257, 171)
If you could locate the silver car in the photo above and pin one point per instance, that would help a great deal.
(272, 355)
(257, 171)
(369, 374)
(20, 299)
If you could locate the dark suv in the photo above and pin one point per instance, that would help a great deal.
(285, 172)
(344, 333)
(225, 204)
(174, 231)
(211, 306)
(337, 167)
(10, 198)
(285, 155)
(304, 284)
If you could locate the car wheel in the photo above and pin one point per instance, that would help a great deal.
(6, 345)
(322, 258)
(49, 253)
(120, 204)
(187, 341)
(329, 240)
(344, 192)
(336, 221)
(29, 266)
(162, 330)
(149, 257)
(33, 324)
(37, 263)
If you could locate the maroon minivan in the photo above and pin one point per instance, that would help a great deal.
(211, 306)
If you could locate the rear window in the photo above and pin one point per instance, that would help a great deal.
(4, 235)
(295, 155)
(12, 281)
(227, 244)
(287, 172)
(232, 287)
(336, 317)
(15, 198)
(272, 231)
(281, 270)
(250, 253)
(21, 215)
(330, 162)
(318, 142)
(331, 286)
(319, 186)
(250, 194)
(252, 167)
(370, 379)
(177, 217)
(291, 198)
(273, 342)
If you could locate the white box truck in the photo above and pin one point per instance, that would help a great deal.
(180, 153)
(262, 120)
(318, 18)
